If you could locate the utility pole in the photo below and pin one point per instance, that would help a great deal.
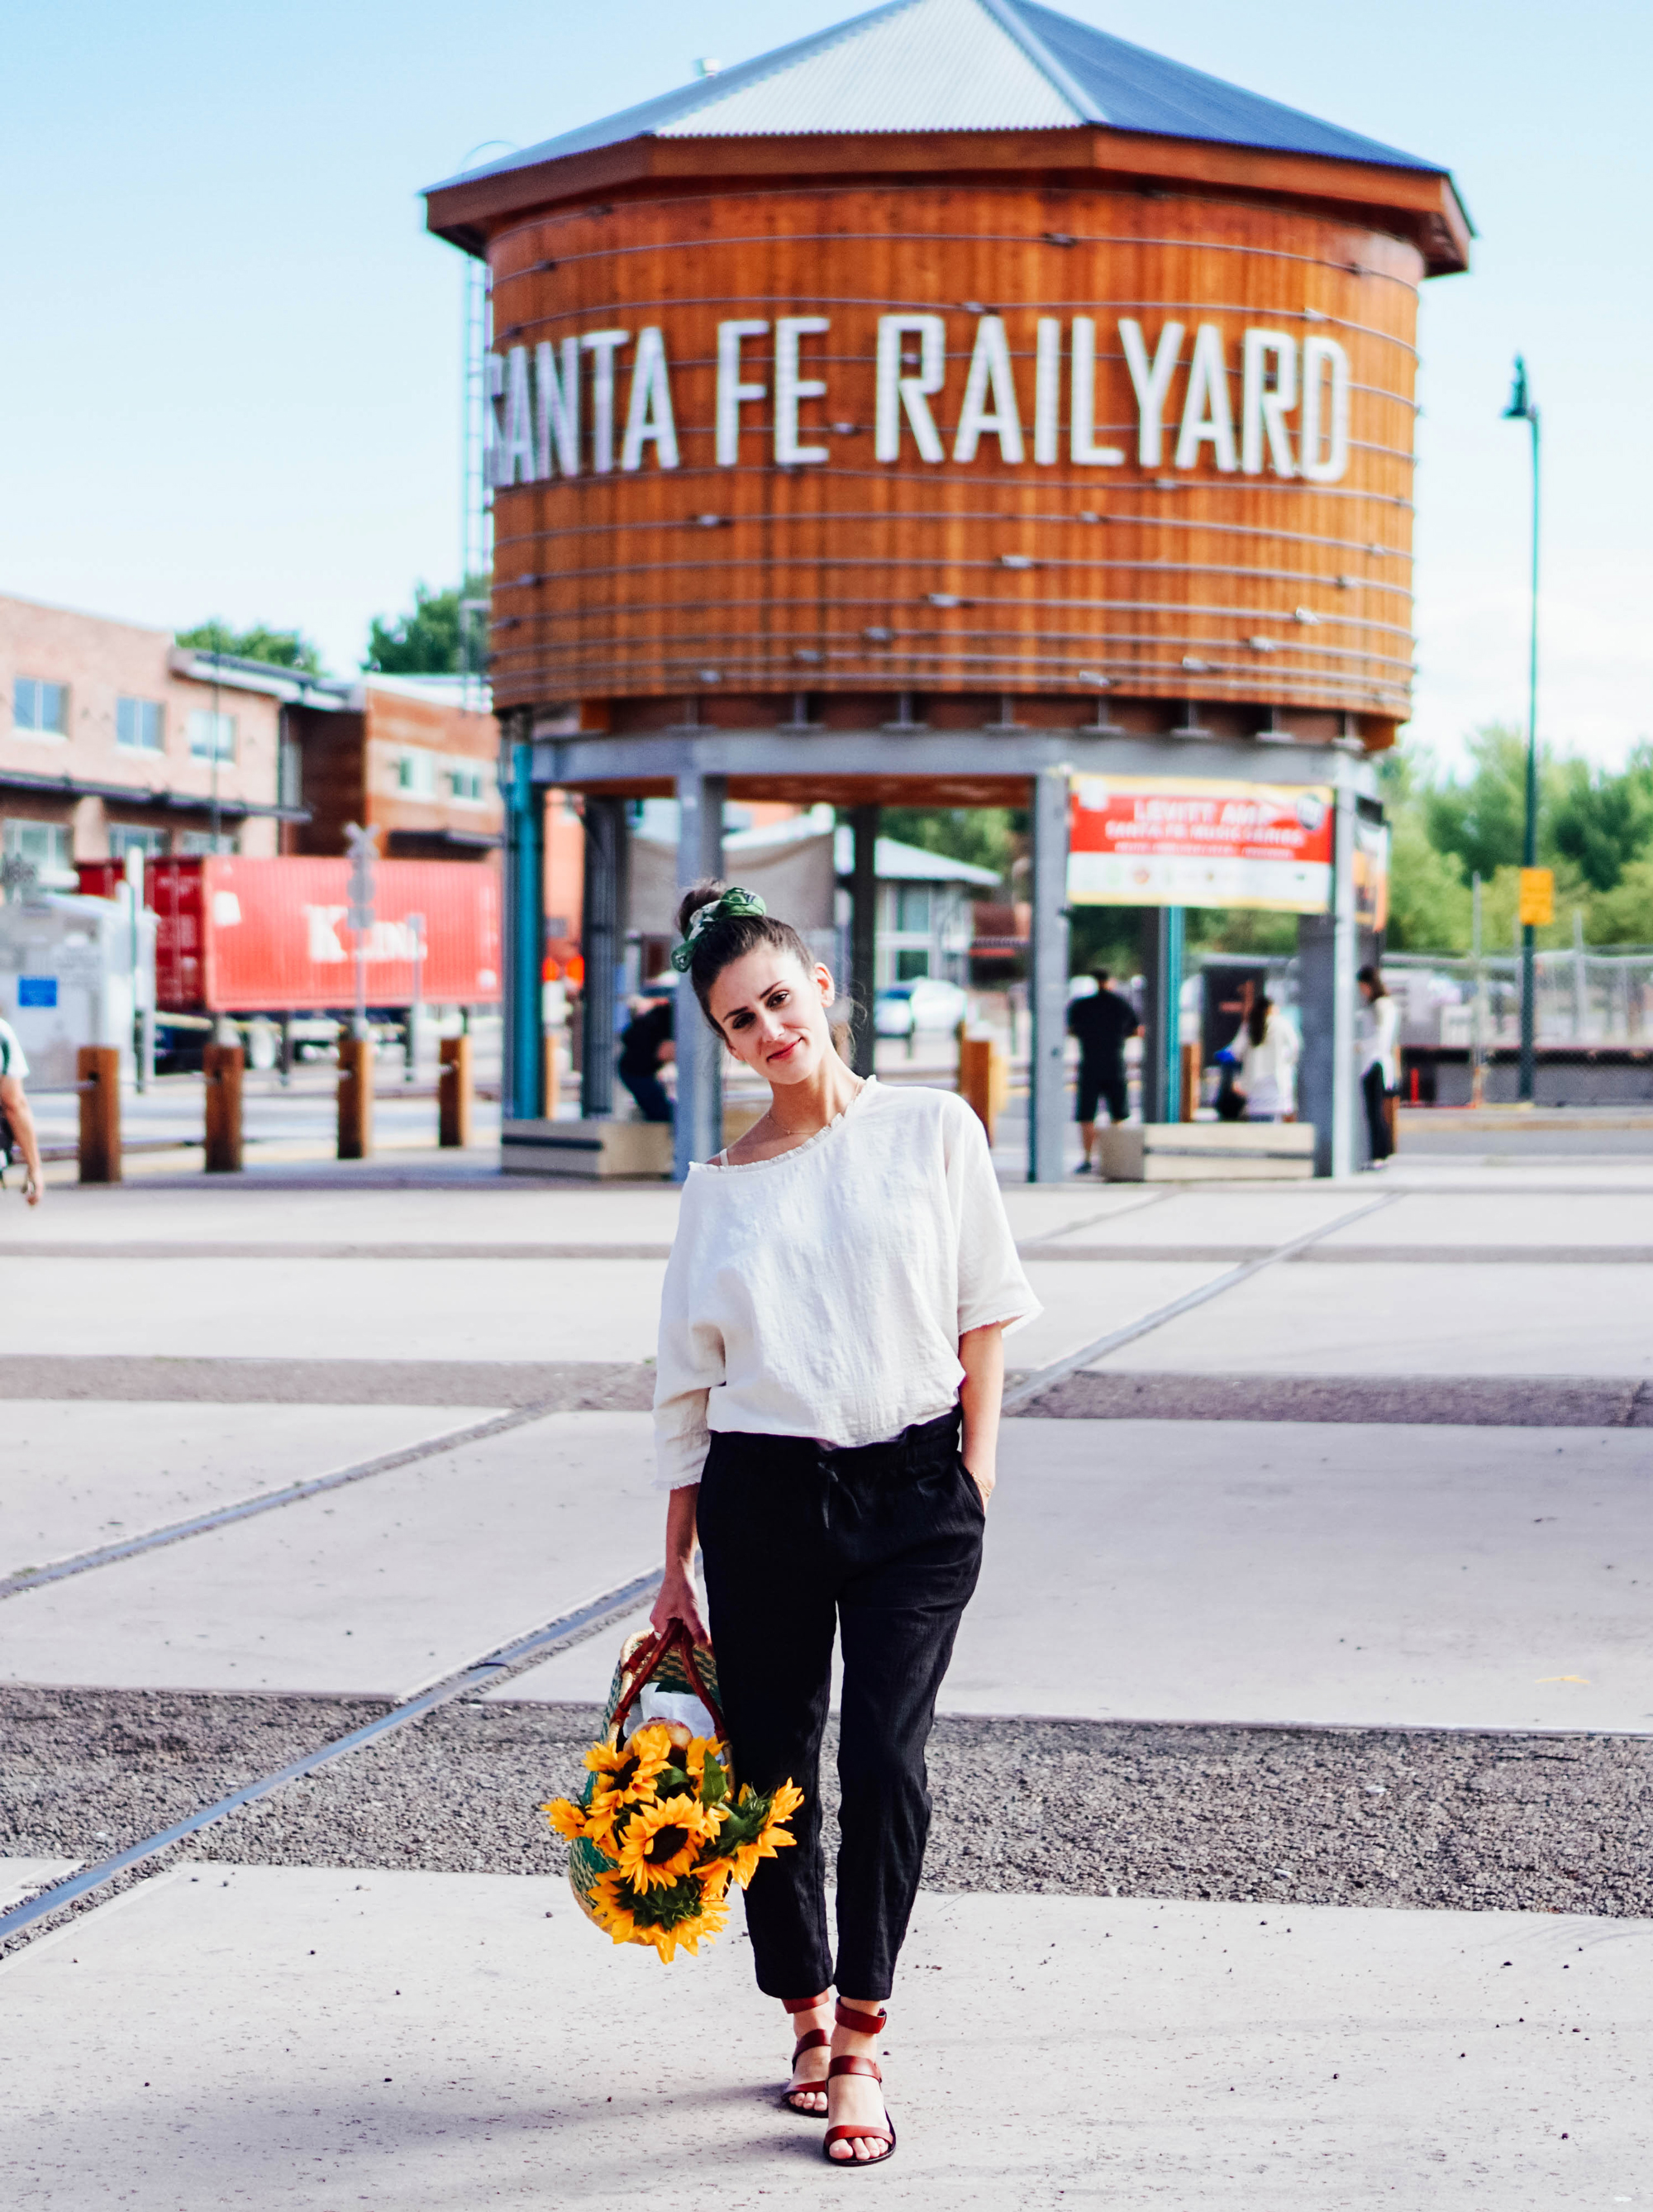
(1522, 409)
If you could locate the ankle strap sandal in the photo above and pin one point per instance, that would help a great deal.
(816, 2039)
(858, 2023)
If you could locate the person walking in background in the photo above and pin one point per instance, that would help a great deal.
(1380, 1072)
(826, 1418)
(1269, 1050)
(1102, 1022)
(17, 1132)
(646, 1047)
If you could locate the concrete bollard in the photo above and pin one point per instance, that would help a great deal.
(222, 1065)
(356, 1065)
(453, 1094)
(97, 1071)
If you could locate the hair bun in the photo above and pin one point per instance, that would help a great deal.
(703, 894)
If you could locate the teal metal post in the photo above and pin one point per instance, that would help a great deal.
(525, 936)
(1522, 409)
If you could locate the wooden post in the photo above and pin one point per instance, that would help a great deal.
(223, 1064)
(1189, 1098)
(453, 1094)
(980, 1082)
(97, 1070)
(355, 1064)
(553, 1074)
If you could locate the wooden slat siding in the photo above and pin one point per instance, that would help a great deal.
(607, 585)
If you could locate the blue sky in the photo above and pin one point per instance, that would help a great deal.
(229, 371)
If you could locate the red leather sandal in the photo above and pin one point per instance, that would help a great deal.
(858, 2023)
(815, 2041)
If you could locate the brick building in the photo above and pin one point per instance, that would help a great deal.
(111, 737)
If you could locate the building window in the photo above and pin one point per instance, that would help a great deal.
(415, 775)
(913, 910)
(192, 844)
(212, 737)
(911, 963)
(125, 839)
(292, 761)
(466, 785)
(138, 726)
(43, 847)
(39, 709)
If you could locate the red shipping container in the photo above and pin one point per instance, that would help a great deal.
(246, 937)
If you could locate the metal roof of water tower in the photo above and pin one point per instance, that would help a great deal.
(966, 66)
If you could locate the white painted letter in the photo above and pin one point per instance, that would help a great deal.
(990, 370)
(649, 415)
(1085, 451)
(1320, 354)
(790, 388)
(1150, 383)
(896, 392)
(1265, 407)
(516, 452)
(731, 389)
(493, 419)
(558, 417)
(1206, 412)
(603, 345)
(1047, 390)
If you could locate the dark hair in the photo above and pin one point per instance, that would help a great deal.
(1099, 976)
(1373, 981)
(731, 938)
(1256, 1021)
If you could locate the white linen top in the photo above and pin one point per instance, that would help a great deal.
(1381, 1027)
(1268, 1071)
(823, 1293)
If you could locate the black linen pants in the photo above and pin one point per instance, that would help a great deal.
(887, 1538)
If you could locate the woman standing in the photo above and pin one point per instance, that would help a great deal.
(1268, 1061)
(826, 1414)
(1379, 1072)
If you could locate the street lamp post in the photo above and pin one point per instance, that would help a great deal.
(1522, 409)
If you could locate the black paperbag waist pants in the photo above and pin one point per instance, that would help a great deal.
(884, 1542)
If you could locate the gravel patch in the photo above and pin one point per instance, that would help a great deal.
(1376, 1817)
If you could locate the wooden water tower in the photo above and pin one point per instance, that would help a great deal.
(946, 405)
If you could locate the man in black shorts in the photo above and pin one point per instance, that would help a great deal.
(1102, 1022)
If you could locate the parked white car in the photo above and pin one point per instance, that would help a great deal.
(925, 1006)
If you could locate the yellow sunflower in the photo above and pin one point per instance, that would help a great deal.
(608, 1909)
(772, 1836)
(566, 1817)
(708, 1922)
(661, 1841)
(626, 1773)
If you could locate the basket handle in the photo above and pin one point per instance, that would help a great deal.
(644, 1665)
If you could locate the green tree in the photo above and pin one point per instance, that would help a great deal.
(1624, 915)
(1480, 817)
(445, 634)
(276, 648)
(985, 836)
(1602, 821)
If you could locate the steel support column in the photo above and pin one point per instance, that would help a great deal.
(602, 944)
(523, 1069)
(1047, 1105)
(1163, 936)
(700, 1084)
(864, 936)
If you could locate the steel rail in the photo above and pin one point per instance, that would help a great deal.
(1059, 1369)
(479, 1675)
(293, 1493)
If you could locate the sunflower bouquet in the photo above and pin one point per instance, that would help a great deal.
(661, 1828)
